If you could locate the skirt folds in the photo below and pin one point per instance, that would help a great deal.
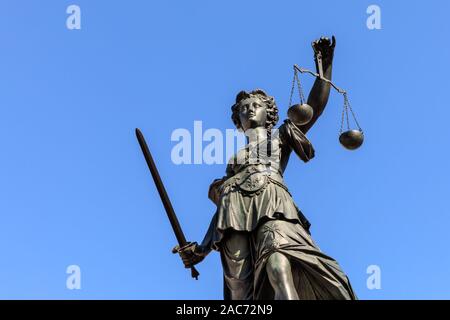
(316, 275)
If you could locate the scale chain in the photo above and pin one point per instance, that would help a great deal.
(347, 103)
(299, 88)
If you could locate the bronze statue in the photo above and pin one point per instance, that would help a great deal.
(263, 238)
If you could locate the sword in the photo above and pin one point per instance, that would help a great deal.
(164, 197)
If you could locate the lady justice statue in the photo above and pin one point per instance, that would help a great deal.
(263, 238)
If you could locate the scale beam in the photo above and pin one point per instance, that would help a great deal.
(302, 70)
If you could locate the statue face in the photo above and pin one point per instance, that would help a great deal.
(252, 113)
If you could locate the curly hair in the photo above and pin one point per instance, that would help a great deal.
(271, 107)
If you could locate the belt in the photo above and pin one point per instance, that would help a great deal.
(253, 179)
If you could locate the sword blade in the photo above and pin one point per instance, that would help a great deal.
(163, 195)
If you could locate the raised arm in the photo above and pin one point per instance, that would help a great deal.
(320, 92)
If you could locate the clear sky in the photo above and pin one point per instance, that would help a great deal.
(74, 188)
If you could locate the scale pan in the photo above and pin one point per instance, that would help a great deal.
(351, 139)
(300, 114)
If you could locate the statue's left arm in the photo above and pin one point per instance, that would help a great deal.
(293, 137)
(320, 92)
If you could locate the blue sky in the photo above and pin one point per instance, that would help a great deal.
(74, 189)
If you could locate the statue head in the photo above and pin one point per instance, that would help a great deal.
(254, 109)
